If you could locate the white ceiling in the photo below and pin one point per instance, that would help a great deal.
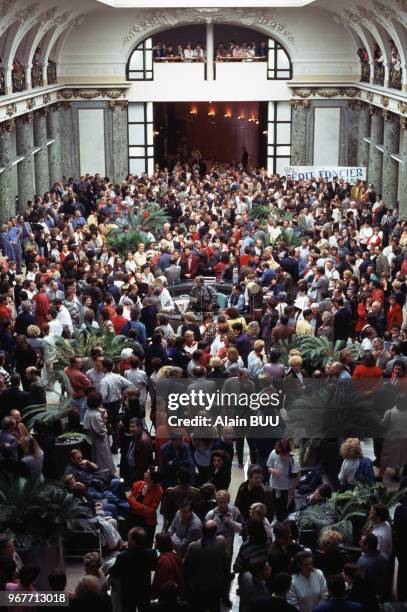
(161, 4)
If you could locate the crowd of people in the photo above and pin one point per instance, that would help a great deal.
(264, 261)
(245, 51)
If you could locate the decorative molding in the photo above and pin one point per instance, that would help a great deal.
(65, 105)
(387, 115)
(27, 118)
(30, 104)
(349, 92)
(154, 19)
(384, 101)
(43, 111)
(300, 104)
(403, 123)
(7, 126)
(63, 19)
(122, 104)
(372, 110)
(90, 94)
(27, 12)
(47, 16)
(402, 107)
(11, 109)
(370, 96)
(5, 7)
(46, 99)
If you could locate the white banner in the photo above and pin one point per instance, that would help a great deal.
(347, 173)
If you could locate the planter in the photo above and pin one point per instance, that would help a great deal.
(47, 557)
(63, 450)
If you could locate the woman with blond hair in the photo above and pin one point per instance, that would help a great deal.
(355, 467)
(256, 359)
(294, 371)
(233, 358)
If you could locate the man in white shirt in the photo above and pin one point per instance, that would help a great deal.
(63, 316)
(111, 388)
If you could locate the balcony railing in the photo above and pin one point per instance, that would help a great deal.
(51, 73)
(2, 81)
(36, 76)
(18, 79)
(365, 71)
(177, 58)
(379, 73)
(396, 75)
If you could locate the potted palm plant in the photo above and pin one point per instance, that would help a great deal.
(132, 232)
(38, 514)
(348, 512)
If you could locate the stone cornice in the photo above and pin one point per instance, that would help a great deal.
(17, 105)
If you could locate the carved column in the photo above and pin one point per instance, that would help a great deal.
(362, 133)
(41, 157)
(299, 131)
(374, 175)
(25, 168)
(54, 149)
(120, 140)
(390, 165)
(66, 138)
(7, 195)
(403, 171)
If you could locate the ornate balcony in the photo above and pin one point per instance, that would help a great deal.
(365, 71)
(36, 76)
(18, 79)
(2, 81)
(379, 73)
(51, 73)
(396, 74)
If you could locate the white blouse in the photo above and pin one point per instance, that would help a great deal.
(306, 593)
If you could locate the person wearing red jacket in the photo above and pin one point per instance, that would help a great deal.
(144, 499)
(169, 566)
(394, 313)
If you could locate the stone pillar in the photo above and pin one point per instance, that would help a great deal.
(299, 131)
(374, 175)
(403, 171)
(120, 140)
(390, 165)
(403, 77)
(7, 195)
(66, 139)
(352, 153)
(386, 75)
(54, 149)
(210, 50)
(25, 168)
(41, 157)
(363, 132)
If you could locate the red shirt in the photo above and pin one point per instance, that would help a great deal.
(78, 380)
(118, 323)
(145, 506)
